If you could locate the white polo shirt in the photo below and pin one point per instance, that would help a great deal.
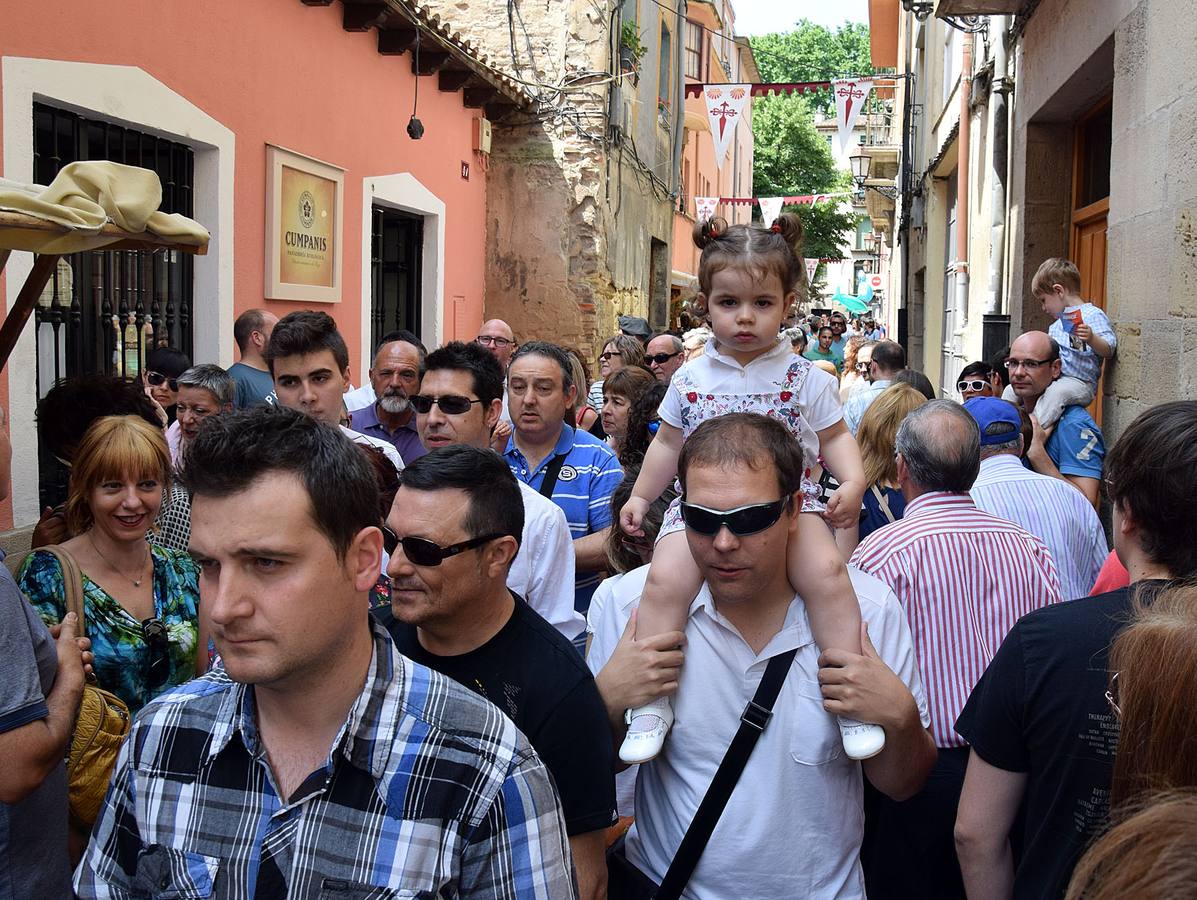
(543, 570)
(387, 448)
(794, 823)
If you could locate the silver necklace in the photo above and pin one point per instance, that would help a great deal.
(141, 568)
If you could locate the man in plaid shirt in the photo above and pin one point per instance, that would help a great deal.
(314, 760)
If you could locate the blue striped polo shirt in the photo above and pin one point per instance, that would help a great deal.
(589, 476)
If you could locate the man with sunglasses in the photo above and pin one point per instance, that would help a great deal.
(664, 355)
(459, 403)
(1042, 735)
(456, 523)
(886, 360)
(1075, 449)
(315, 759)
(741, 475)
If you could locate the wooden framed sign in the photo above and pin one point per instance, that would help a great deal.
(304, 203)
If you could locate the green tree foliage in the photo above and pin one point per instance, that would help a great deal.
(790, 156)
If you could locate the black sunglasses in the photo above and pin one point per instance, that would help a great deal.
(741, 521)
(423, 552)
(157, 638)
(157, 378)
(661, 358)
(450, 404)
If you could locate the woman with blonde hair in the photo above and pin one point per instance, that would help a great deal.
(1153, 662)
(853, 377)
(140, 601)
(619, 350)
(883, 500)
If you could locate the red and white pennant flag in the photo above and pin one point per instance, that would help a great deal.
(705, 207)
(850, 96)
(770, 209)
(725, 102)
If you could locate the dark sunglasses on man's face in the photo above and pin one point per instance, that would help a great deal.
(157, 379)
(422, 552)
(661, 358)
(450, 404)
(741, 521)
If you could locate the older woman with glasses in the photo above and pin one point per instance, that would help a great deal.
(140, 602)
(619, 351)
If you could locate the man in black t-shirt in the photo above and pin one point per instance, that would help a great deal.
(454, 529)
(1041, 730)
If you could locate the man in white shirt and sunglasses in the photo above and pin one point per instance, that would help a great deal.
(458, 403)
(739, 475)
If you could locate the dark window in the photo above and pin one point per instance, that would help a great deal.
(1095, 136)
(103, 311)
(665, 69)
(397, 250)
(694, 51)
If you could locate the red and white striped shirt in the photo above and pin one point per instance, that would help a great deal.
(964, 577)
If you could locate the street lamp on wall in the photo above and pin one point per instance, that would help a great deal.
(860, 175)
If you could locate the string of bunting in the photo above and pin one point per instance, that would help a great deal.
(725, 104)
(787, 201)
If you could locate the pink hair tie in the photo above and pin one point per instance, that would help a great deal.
(775, 228)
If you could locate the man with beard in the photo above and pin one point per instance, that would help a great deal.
(395, 377)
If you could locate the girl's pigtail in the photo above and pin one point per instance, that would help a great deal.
(708, 230)
(789, 226)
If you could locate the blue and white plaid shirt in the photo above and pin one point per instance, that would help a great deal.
(429, 791)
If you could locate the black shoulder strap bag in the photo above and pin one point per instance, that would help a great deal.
(550, 475)
(625, 881)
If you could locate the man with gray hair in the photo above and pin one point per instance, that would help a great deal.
(664, 355)
(1047, 507)
(964, 577)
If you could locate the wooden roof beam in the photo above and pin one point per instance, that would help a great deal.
(396, 41)
(430, 61)
(452, 80)
(363, 16)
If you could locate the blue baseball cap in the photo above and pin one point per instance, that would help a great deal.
(993, 415)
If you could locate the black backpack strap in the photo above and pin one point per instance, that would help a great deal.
(753, 721)
(550, 475)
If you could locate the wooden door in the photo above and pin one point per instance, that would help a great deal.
(1091, 211)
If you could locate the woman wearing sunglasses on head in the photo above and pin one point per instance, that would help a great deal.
(140, 602)
(163, 366)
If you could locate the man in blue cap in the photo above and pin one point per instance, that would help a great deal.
(1047, 507)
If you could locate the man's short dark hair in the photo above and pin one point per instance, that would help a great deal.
(889, 356)
(823, 328)
(999, 365)
(70, 407)
(941, 445)
(233, 451)
(484, 368)
(406, 337)
(247, 323)
(303, 332)
(918, 381)
(1053, 350)
(744, 440)
(1151, 473)
(496, 505)
(979, 369)
(168, 361)
(548, 351)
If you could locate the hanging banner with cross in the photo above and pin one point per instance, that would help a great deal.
(724, 105)
(770, 209)
(811, 266)
(704, 207)
(850, 97)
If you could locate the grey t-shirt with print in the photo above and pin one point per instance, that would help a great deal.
(33, 832)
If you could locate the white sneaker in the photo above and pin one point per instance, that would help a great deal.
(862, 740)
(647, 727)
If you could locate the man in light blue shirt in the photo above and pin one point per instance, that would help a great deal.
(1047, 507)
(887, 361)
(571, 467)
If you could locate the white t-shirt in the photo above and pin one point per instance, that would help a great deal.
(794, 823)
(387, 448)
(360, 398)
(543, 570)
(610, 608)
(715, 383)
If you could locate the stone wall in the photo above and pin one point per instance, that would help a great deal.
(570, 220)
(1152, 236)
